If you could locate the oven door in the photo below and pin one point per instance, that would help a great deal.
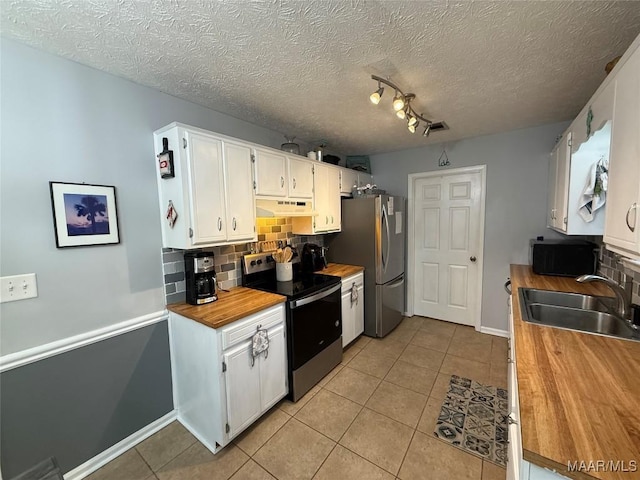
(314, 323)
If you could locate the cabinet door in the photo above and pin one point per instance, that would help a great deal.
(551, 187)
(271, 172)
(349, 179)
(562, 182)
(321, 197)
(300, 178)
(334, 204)
(242, 381)
(359, 311)
(206, 176)
(348, 319)
(241, 212)
(623, 195)
(273, 369)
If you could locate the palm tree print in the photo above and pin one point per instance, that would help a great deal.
(91, 207)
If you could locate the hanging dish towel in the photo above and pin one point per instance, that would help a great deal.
(594, 195)
(259, 344)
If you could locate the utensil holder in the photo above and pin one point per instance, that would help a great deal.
(284, 272)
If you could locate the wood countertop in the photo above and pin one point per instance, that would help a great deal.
(579, 393)
(237, 303)
(340, 270)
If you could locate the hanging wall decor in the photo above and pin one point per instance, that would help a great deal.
(165, 160)
(84, 214)
(443, 161)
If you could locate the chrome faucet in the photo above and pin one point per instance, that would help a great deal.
(622, 297)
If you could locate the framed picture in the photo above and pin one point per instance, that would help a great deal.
(84, 214)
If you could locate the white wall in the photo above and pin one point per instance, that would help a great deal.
(517, 167)
(62, 121)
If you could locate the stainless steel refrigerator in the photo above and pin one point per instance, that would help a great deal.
(373, 236)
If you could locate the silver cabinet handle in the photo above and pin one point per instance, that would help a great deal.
(219, 224)
(510, 420)
(507, 286)
(234, 224)
(326, 220)
(281, 182)
(632, 207)
(331, 218)
(294, 183)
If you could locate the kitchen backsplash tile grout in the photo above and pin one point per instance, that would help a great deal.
(227, 257)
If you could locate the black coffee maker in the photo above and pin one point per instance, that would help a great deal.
(313, 258)
(200, 277)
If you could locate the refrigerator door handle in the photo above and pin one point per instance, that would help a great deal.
(396, 283)
(385, 221)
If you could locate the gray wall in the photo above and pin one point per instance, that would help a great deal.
(77, 404)
(62, 121)
(517, 167)
(65, 122)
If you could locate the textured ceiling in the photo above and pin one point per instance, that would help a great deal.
(303, 67)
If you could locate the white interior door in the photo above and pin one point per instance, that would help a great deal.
(448, 230)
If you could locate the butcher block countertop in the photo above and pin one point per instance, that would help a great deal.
(340, 270)
(237, 303)
(579, 393)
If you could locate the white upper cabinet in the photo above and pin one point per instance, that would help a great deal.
(622, 228)
(271, 173)
(561, 161)
(326, 201)
(348, 179)
(241, 211)
(300, 178)
(211, 194)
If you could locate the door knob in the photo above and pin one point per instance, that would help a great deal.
(472, 258)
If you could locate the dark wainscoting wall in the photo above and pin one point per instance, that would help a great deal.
(77, 404)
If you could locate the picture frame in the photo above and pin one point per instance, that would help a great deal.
(84, 215)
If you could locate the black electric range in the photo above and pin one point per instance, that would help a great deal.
(314, 319)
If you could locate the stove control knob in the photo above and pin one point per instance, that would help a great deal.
(337, 323)
(259, 262)
(270, 259)
(253, 263)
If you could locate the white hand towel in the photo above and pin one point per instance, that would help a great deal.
(594, 195)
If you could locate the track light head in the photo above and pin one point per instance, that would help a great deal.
(412, 128)
(375, 96)
(427, 129)
(398, 102)
(412, 120)
(401, 114)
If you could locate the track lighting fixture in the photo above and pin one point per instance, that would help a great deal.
(403, 109)
(375, 96)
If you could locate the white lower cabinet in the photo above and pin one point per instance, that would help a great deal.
(352, 308)
(219, 388)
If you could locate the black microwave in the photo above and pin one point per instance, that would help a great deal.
(567, 258)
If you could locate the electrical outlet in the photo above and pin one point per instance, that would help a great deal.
(18, 287)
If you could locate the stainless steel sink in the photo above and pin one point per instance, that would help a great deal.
(571, 300)
(571, 311)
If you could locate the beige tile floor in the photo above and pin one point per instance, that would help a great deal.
(371, 418)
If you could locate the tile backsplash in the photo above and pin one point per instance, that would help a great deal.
(612, 268)
(227, 258)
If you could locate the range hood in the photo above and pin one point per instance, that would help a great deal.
(284, 208)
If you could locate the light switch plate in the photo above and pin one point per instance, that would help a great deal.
(18, 287)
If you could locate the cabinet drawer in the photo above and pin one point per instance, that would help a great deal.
(348, 282)
(244, 329)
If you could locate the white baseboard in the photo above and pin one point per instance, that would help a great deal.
(119, 448)
(30, 355)
(494, 331)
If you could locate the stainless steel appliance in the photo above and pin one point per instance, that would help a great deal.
(200, 278)
(314, 319)
(313, 258)
(568, 258)
(373, 236)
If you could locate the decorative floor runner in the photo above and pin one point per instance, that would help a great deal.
(473, 417)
